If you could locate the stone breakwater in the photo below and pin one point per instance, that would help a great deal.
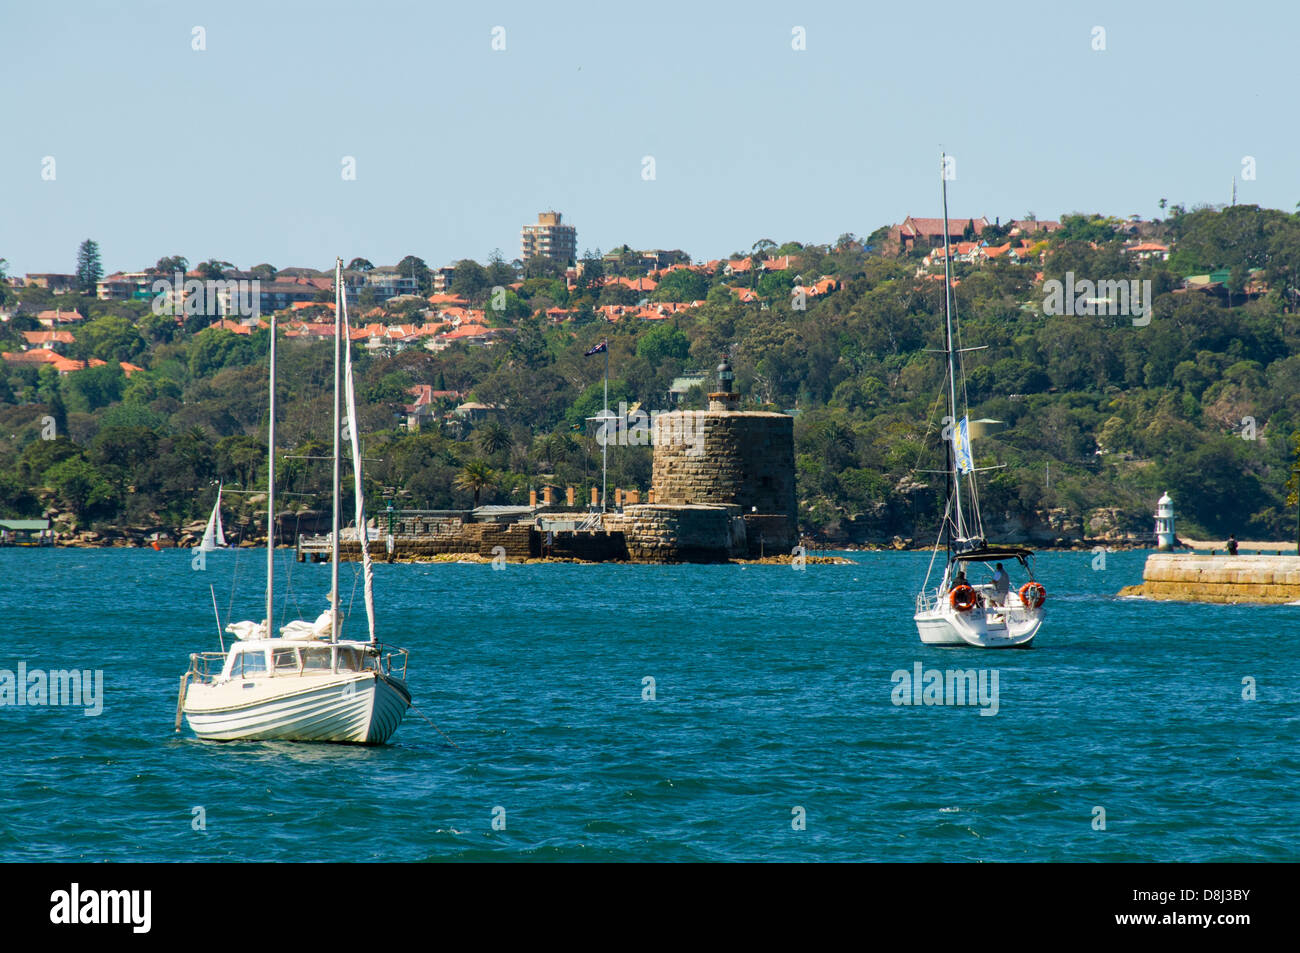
(1221, 579)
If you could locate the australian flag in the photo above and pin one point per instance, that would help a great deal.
(599, 348)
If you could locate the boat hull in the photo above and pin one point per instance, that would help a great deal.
(349, 707)
(979, 628)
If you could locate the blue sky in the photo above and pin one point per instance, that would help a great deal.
(235, 152)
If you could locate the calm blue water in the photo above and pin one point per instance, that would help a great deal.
(773, 692)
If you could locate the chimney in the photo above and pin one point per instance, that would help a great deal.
(595, 496)
(548, 494)
(569, 495)
(532, 497)
(633, 497)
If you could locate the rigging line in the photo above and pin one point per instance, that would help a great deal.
(288, 576)
(929, 417)
(972, 484)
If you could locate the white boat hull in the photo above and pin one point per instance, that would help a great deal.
(985, 628)
(351, 707)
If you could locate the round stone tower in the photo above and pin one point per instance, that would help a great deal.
(726, 456)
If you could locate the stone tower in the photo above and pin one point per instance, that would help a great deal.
(724, 456)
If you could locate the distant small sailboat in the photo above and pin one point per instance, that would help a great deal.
(213, 536)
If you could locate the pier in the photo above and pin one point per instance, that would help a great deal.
(1219, 579)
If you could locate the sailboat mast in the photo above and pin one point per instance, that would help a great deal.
(953, 472)
(270, 493)
(334, 548)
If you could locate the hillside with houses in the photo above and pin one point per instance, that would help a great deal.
(125, 398)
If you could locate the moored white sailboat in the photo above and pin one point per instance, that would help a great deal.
(308, 684)
(987, 614)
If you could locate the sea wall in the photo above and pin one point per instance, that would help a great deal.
(662, 533)
(1223, 579)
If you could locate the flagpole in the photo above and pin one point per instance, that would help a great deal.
(604, 444)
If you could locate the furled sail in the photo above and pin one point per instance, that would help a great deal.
(354, 437)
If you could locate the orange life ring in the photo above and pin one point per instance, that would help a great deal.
(962, 598)
(1033, 595)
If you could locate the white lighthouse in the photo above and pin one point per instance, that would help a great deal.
(1165, 522)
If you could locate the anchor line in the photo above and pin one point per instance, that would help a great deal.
(435, 727)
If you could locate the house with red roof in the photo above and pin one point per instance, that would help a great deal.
(60, 363)
(447, 300)
(1147, 250)
(49, 340)
(1032, 226)
(636, 284)
(928, 232)
(427, 403)
(57, 317)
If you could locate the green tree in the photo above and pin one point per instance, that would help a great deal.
(492, 438)
(469, 280)
(94, 387)
(89, 267)
(475, 477)
(498, 272)
(664, 342)
(111, 339)
(80, 486)
(681, 285)
(413, 267)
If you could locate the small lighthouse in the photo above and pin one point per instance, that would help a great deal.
(1165, 522)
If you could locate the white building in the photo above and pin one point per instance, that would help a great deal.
(1165, 522)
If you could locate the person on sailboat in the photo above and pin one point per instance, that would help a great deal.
(1001, 585)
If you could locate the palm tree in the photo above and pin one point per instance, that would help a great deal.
(558, 447)
(477, 476)
(492, 438)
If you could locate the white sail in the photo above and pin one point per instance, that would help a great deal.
(355, 441)
(213, 537)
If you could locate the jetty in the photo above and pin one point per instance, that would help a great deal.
(1223, 579)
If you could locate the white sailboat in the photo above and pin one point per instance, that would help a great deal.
(309, 683)
(213, 536)
(987, 613)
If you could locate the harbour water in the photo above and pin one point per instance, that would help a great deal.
(769, 731)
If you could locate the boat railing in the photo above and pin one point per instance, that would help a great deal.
(206, 666)
(927, 600)
(392, 660)
(1011, 605)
